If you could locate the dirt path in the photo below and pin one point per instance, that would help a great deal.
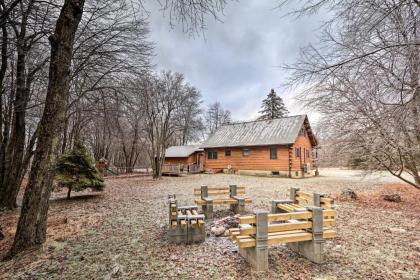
(120, 234)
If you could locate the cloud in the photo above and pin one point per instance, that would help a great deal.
(236, 62)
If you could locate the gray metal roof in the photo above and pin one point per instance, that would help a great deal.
(181, 151)
(257, 133)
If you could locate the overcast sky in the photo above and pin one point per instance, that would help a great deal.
(237, 61)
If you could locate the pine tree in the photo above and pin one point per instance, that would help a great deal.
(75, 170)
(272, 107)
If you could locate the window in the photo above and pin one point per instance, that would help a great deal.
(245, 152)
(297, 152)
(228, 152)
(212, 154)
(308, 154)
(273, 153)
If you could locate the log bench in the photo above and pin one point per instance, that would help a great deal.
(298, 201)
(304, 232)
(186, 225)
(232, 195)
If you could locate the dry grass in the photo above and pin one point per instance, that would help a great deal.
(120, 234)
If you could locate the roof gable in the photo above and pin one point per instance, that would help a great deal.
(310, 132)
(279, 131)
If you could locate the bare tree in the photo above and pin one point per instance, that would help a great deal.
(364, 78)
(191, 14)
(31, 229)
(189, 118)
(162, 96)
(129, 124)
(32, 225)
(111, 46)
(28, 24)
(216, 116)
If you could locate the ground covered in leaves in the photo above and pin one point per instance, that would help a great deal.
(120, 233)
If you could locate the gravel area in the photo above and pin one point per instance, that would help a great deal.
(120, 233)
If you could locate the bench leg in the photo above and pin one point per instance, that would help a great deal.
(293, 192)
(208, 210)
(196, 234)
(240, 207)
(274, 209)
(312, 250)
(258, 256)
(178, 235)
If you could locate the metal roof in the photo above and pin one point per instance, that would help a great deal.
(257, 133)
(181, 151)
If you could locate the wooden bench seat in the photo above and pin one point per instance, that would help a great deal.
(283, 238)
(302, 231)
(221, 201)
(299, 200)
(233, 195)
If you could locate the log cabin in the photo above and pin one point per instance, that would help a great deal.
(278, 147)
(190, 158)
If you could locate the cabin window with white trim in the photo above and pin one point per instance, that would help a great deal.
(245, 152)
(273, 152)
(212, 154)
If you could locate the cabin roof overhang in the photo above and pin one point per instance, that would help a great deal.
(181, 151)
(249, 146)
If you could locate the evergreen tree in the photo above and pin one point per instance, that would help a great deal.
(272, 107)
(76, 171)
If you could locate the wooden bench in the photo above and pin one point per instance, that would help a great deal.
(186, 225)
(299, 200)
(232, 195)
(305, 232)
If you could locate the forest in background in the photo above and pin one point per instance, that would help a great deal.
(81, 70)
(118, 105)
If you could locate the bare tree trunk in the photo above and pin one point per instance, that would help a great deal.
(3, 136)
(157, 172)
(31, 228)
(132, 159)
(16, 146)
(65, 132)
(3, 68)
(414, 172)
(68, 192)
(3, 145)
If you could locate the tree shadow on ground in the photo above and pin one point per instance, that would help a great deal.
(76, 198)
